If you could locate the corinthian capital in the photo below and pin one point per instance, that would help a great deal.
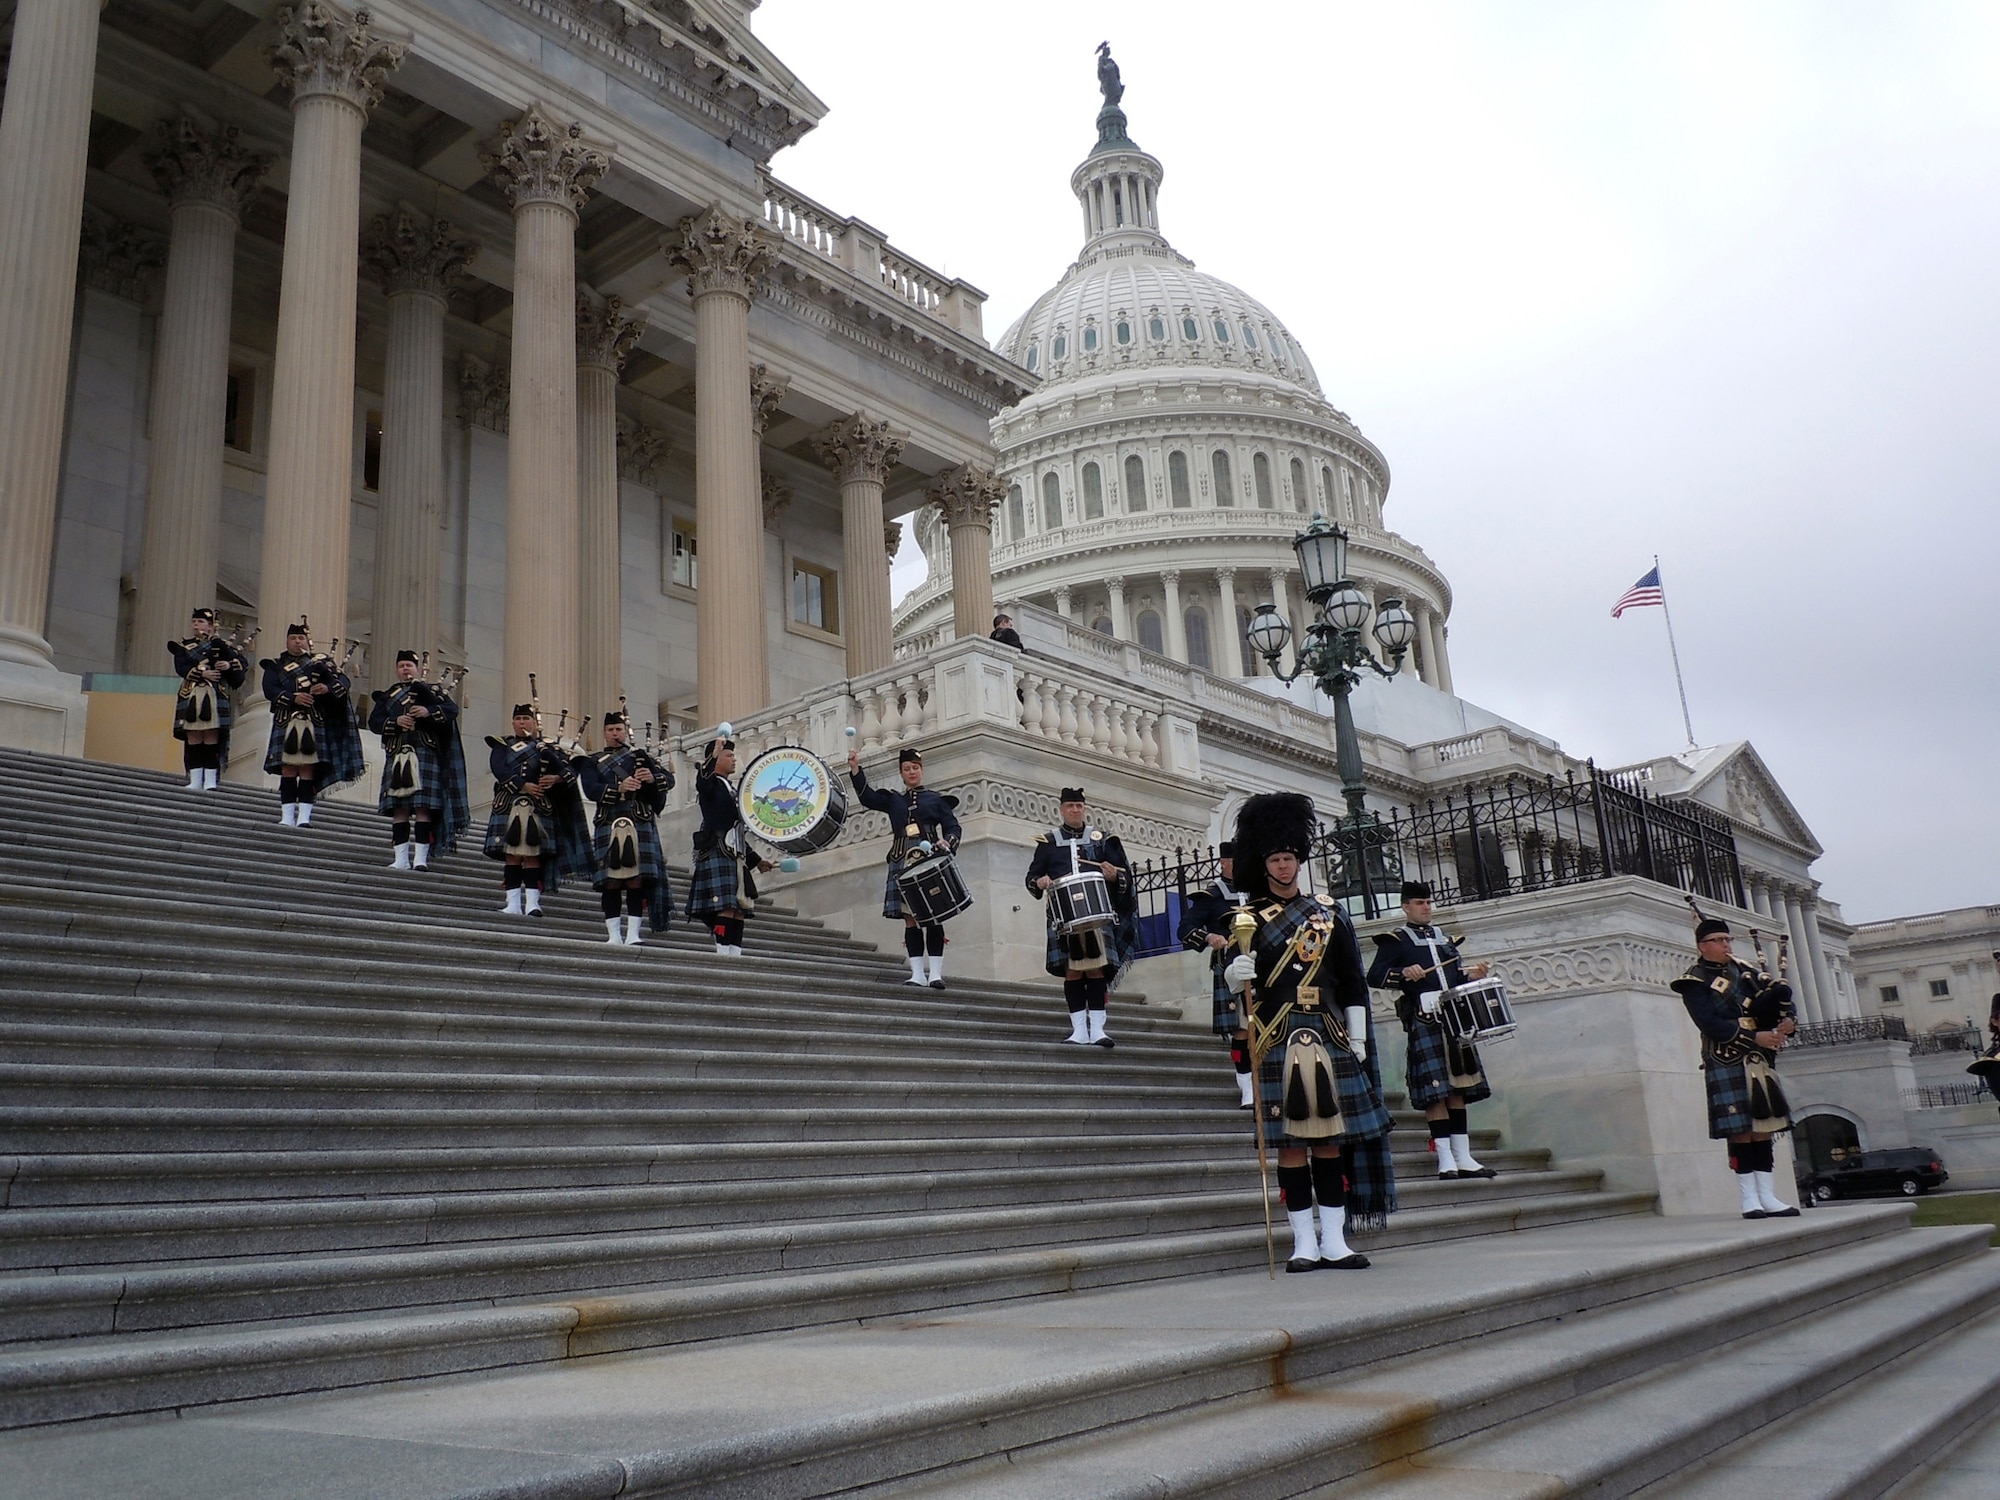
(642, 450)
(605, 334)
(892, 537)
(322, 51)
(410, 256)
(966, 496)
(766, 391)
(197, 163)
(538, 159)
(721, 254)
(857, 448)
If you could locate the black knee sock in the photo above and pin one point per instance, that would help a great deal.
(1458, 1122)
(1095, 991)
(1329, 1181)
(288, 789)
(1440, 1129)
(190, 756)
(913, 941)
(1239, 1054)
(610, 900)
(307, 791)
(532, 879)
(423, 831)
(934, 940)
(635, 901)
(1742, 1157)
(510, 877)
(399, 833)
(734, 925)
(1296, 1183)
(1766, 1156)
(1073, 994)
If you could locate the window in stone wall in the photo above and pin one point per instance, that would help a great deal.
(1326, 483)
(1051, 502)
(1093, 493)
(684, 571)
(1196, 621)
(1180, 492)
(1940, 989)
(1221, 331)
(1260, 470)
(1123, 331)
(1890, 994)
(1034, 357)
(1191, 330)
(816, 597)
(1017, 514)
(371, 451)
(1249, 337)
(1156, 329)
(1090, 339)
(1135, 482)
(240, 408)
(1102, 624)
(1298, 485)
(1149, 632)
(1218, 463)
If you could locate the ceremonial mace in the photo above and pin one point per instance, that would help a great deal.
(1244, 929)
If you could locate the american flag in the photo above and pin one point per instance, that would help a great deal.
(1645, 591)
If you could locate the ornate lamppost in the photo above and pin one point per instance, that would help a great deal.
(1332, 649)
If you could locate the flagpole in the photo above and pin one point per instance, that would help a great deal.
(1686, 722)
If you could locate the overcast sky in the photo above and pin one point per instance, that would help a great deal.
(1715, 281)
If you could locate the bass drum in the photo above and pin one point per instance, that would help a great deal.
(790, 799)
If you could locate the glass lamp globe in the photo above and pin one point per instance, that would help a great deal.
(1269, 632)
(1395, 627)
(1348, 608)
(1322, 551)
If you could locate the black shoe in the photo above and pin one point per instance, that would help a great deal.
(913, 984)
(1781, 1213)
(1106, 1043)
(1353, 1261)
(1756, 1213)
(1246, 1107)
(1298, 1266)
(1447, 1177)
(1480, 1172)
(937, 984)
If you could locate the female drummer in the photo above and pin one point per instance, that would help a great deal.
(1442, 1074)
(917, 816)
(719, 845)
(1085, 961)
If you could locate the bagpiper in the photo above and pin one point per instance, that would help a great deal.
(1206, 927)
(629, 788)
(1312, 1039)
(1086, 961)
(536, 829)
(1986, 1067)
(423, 767)
(719, 895)
(1744, 1017)
(315, 745)
(210, 668)
(1442, 1075)
(918, 817)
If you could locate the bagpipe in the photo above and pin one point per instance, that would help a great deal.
(199, 695)
(616, 767)
(300, 745)
(1770, 1001)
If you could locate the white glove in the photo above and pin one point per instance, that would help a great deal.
(1428, 1002)
(1357, 1032)
(1239, 971)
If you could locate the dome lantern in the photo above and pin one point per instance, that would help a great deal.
(1117, 184)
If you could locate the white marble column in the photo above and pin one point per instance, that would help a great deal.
(44, 135)
(1440, 660)
(966, 497)
(207, 177)
(725, 260)
(1121, 616)
(1176, 624)
(604, 337)
(546, 168)
(766, 391)
(1063, 606)
(1224, 632)
(417, 264)
(334, 66)
(1805, 983)
(861, 452)
(1822, 971)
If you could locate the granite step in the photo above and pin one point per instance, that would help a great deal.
(1962, 1471)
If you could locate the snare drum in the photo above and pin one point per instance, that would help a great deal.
(790, 800)
(1477, 1011)
(932, 890)
(1081, 902)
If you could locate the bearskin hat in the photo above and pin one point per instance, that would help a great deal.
(1270, 823)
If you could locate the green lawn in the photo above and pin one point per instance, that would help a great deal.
(1961, 1208)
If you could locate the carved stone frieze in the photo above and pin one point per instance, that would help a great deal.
(1591, 966)
(539, 159)
(119, 258)
(408, 255)
(859, 448)
(721, 254)
(605, 333)
(642, 451)
(198, 163)
(482, 394)
(322, 51)
(966, 496)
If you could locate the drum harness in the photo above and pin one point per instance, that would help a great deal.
(1438, 962)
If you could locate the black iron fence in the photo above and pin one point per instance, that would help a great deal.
(1946, 1096)
(1964, 1039)
(1853, 1029)
(1480, 843)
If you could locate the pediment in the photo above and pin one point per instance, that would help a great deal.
(1736, 781)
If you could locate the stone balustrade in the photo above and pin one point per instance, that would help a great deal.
(863, 250)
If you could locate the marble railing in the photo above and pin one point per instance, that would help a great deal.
(1228, 520)
(852, 244)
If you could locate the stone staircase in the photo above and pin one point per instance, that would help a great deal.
(380, 1193)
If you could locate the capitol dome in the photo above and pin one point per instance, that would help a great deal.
(1177, 440)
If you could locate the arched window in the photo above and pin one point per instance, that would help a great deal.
(1326, 483)
(1225, 494)
(1102, 624)
(1051, 502)
(1059, 348)
(1156, 329)
(1196, 621)
(1249, 337)
(1177, 480)
(1123, 331)
(1260, 470)
(1221, 331)
(1093, 493)
(1191, 330)
(1298, 485)
(1135, 482)
(1347, 494)
(1149, 632)
(1034, 357)
(1089, 339)
(1017, 514)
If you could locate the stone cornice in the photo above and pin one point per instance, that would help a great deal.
(323, 53)
(540, 159)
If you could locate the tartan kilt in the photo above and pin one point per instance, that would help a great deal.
(430, 794)
(892, 898)
(1227, 1018)
(714, 885)
(496, 833)
(652, 859)
(1728, 1098)
(1361, 1107)
(1427, 1068)
(1117, 941)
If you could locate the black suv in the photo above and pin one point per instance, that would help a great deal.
(1904, 1172)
